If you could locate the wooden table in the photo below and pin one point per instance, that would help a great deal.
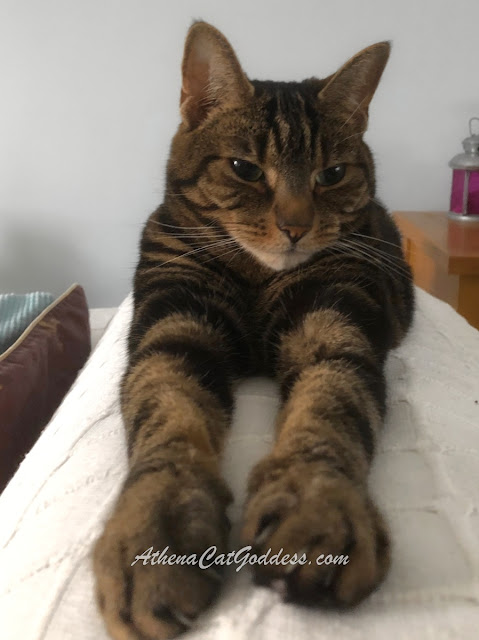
(444, 257)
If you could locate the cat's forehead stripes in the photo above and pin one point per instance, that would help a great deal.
(291, 123)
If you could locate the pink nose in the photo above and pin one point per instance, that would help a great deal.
(294, 233)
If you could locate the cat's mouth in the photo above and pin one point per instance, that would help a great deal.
(281, 259)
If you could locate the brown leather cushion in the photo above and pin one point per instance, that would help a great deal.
(37, 371)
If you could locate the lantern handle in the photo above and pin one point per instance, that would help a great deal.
(470, 126)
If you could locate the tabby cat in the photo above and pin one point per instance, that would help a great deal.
(271, 255)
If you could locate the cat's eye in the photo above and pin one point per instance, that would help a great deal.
(331, 176)
(246, 170)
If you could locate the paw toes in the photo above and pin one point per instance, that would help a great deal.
(339, 521)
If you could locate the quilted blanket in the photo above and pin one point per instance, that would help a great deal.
(425, 478)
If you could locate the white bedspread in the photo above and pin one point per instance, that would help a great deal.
(426, 478)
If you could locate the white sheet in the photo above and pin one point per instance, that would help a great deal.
(426, 478)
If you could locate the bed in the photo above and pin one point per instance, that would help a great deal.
(425, 478)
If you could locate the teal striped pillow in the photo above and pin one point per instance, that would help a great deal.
(17, 311)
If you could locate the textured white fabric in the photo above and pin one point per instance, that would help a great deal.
(100, 318)
(425, 477)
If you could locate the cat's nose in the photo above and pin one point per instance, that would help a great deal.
(294, 232)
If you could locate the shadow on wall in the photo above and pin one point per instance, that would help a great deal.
(33, 260)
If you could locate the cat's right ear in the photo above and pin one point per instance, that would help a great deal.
(212, 75)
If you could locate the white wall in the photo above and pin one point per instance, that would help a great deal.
(88, 102)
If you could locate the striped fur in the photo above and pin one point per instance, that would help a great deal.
(225, 289)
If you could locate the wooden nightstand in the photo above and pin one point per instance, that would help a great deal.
(444, 257)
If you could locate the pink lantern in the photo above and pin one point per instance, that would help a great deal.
(465, 178)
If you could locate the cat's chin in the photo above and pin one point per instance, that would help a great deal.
(280, 260)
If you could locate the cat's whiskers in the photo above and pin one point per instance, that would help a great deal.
(353, 248)
(359, 105)
(383, 255)
(234, 250)
(396, 263)
(206, 228)
(341, 250)
(196, 251)
(203, 248)
(200, 236)
(353, 135)
(205, 234)
(362, 235)
(370, 247)
(174, 226)
(364, 252)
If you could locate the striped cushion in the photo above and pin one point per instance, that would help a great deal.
(17, 311)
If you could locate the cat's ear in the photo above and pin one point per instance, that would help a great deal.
(212, 75)
(350, 90)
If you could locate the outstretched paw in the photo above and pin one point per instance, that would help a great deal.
(159, 601)
(295, 511)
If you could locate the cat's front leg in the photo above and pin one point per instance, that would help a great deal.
(310, 495)
(176, 402)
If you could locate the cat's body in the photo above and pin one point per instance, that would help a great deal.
(269, 255)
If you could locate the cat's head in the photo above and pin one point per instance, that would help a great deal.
(282, 166)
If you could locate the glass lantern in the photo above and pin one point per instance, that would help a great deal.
(465, 178)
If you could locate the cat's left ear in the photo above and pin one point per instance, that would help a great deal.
(350, 90)
(212, 75)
